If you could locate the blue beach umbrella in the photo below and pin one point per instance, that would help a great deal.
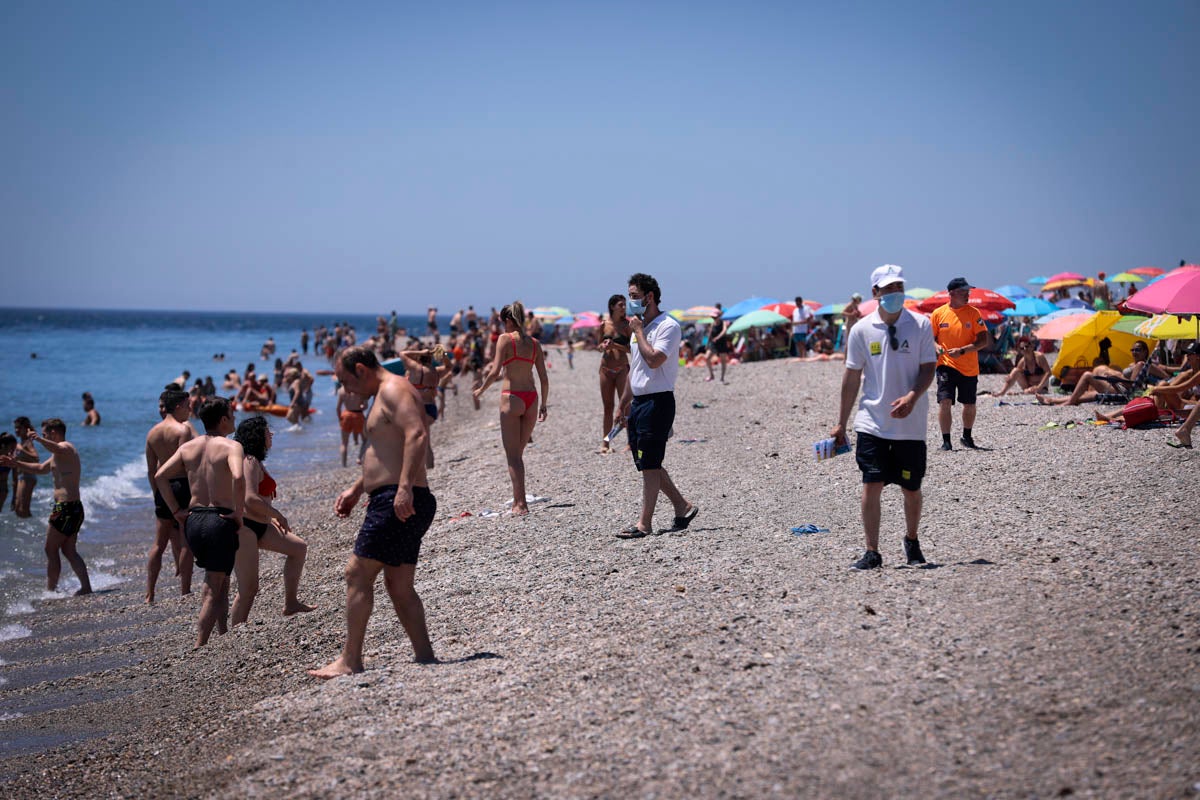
(1030, 307)
(832, 308)
(1062, 312)
(1039, 280)
(1072, 302)
(1011, 292)
(746, 306)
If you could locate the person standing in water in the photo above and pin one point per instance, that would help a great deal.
(162, 441)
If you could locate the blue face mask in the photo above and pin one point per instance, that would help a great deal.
(635, 308)
(891, 303)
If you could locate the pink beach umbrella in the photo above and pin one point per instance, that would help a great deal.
(1177, 292)
(1066, 276)
(585, 322)
(869, 306)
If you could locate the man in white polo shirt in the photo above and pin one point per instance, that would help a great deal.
(891, 354)
(648, 403)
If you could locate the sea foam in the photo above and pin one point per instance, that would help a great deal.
(107, 491)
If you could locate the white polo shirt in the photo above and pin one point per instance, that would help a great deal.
(889, 374)
(663, 335)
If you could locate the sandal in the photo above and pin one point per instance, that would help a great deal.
(681, 523)
(632, 532)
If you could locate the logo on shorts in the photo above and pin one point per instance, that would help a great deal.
(876, 348)
(906, 474)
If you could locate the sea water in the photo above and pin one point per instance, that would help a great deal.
(125, 358)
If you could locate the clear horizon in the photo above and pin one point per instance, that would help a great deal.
(303, 155)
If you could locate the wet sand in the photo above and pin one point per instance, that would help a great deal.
(1050, 649)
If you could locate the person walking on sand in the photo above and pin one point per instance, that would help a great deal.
(802, 322)
(614, 362)
(517, 356)
(719, 346)
(648, 403)
(400, 509)
(66, 516)
(350, 418)
(959, 334)
(212, 522)
(891, 356)
(269, 526)
(162, 441)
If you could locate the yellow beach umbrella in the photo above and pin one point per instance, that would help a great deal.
(1169, 326)
(1082, 345)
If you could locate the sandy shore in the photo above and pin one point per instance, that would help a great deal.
(1051, 649)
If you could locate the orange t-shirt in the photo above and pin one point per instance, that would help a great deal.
(957, 327)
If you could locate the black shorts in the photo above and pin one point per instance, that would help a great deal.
(650, 421)
(951, 382)
(259, 528)
(212, 538)
(67, 517)
(183, 498)
(392, 541)
(720, 346)
(898, 461)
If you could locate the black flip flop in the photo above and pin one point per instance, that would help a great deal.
(632, 532)
(1178, 445)
(681, 523)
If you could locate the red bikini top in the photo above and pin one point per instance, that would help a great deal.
(267, 487)
(514, 357)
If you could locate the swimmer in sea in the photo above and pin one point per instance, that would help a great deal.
(161, 443)
(212, 521)
(24, 481)
(66, 517)
(399, 512)
(91, 415)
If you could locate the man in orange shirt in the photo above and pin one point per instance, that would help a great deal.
(959, 333)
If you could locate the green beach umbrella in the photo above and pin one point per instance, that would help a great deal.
(919, 293)
(758, 319)
(1125, 277)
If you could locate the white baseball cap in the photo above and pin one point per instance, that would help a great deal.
(888, 273)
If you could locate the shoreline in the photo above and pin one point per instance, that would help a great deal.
(736, 659)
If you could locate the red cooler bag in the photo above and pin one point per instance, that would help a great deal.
(1139, 412)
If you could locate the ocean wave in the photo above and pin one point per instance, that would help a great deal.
(10, 715)
(13, 631)
(108, 491)
(20, 607)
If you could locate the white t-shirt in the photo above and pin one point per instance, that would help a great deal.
(801, 317)
(663, 335)
(888, 374)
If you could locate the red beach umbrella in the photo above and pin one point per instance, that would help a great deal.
(1149, 272)
(869, 306)
(983, 299)
(782, 309)
(813, 304)
(1177, 292)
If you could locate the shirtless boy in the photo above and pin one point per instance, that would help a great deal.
(24, 481)
(212, 523)
(161, 443)
(399, 511)
(66, 517)
(350, 418)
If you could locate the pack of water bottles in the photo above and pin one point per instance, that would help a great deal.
(828, 448)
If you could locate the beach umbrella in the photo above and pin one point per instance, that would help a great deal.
(1062, 312)
(980, 298)
(919, 293)
(758, 319)
(1125, 277)
(1066, 283)
(813, 304)
(748, 305)
(1168, 326)
(832, 308)
(1149, 272)
(698, 313)
(550, 312)
(1030, 307)
(1177, 292)
(567, 320)
(1072, 302)
(582, 322)
(1038, 280)
(1065, 276)
(1081, 346)
(1059, 328)
(991, 315)
(869, 306)
(1011, 292)
(784, 309)
(676, 313)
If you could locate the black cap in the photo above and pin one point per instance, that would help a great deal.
(958, 283)
(1193, 349)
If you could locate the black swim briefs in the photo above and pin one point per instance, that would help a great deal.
(66, 517)
(183, 498)
(385, 538)
(650, 419)
(212, 538)
(951, 382)
(259, 528)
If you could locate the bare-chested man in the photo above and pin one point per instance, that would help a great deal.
(399, 511)
(66, 517)
(212, 522)
(161, 443)
(91, 415)
(350, 418)
(301, 390)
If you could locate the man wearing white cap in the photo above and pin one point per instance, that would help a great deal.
(890, 354)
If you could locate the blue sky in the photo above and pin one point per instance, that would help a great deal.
(362, 157)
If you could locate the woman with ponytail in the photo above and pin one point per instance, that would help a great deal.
(517, 355)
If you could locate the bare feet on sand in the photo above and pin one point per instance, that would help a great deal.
(334, 669)
(83, 590)
(297, 608)
(1184, 437)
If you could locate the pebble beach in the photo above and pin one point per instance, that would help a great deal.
(1049, 648)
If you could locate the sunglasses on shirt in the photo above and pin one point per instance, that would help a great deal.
(892, 340)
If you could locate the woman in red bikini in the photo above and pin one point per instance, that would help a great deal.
(614, 361)
(269, 526)
(517, 354)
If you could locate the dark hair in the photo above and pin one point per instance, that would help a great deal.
(1140, 343)
(799, 299)
(515, 312)
(54, 424)
(352, 356)
(87, 395)
(171, 398)
(7, 440)
(212, 411)
(612, 301)
(22, 422)
(252, 434)
(88, 402)
(646, 285)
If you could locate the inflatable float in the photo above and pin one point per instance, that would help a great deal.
(274, 409)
